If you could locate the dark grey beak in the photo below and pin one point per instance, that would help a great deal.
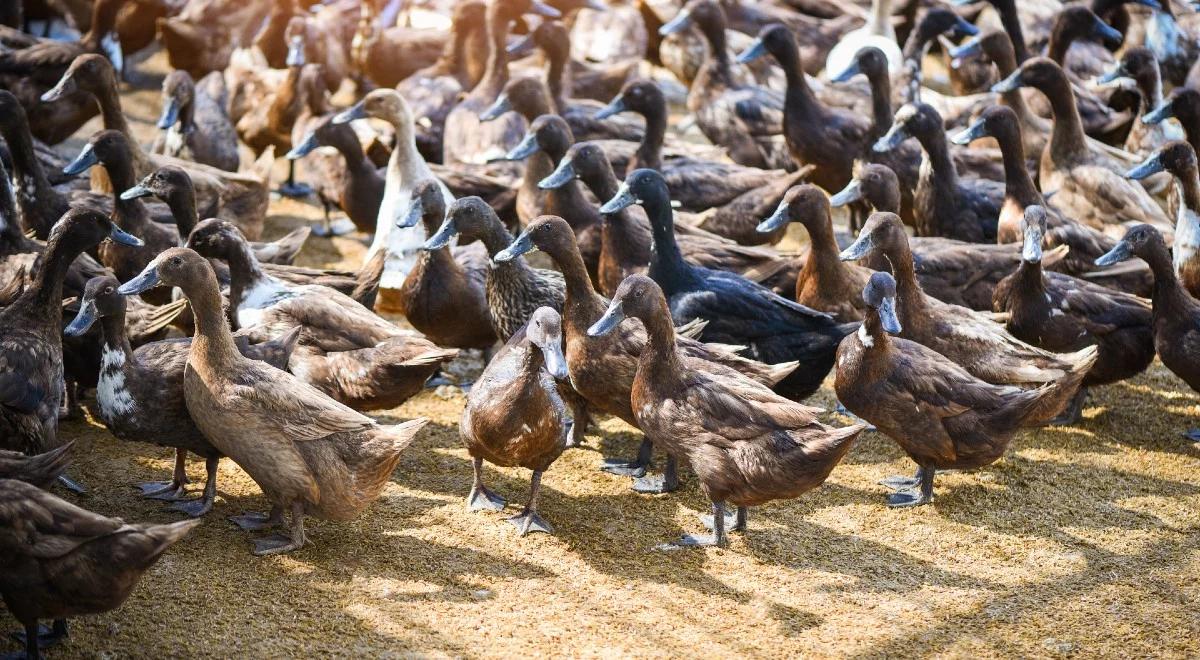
(778, 219)
(543, 9)
(973, 132)
(1120, 252)
(622, 200)
(304, 148)
(119, 236)
(501, 106)
(887, 316)
(611, 319)
(136, 192)
(442, 238)
(84, 318)
(1160, 114)
(681, 22)
(522, 245)
(969, 49)
(86, 158)
(1012, 82)
(755, 51)
(858, 249)
(1151, 166)
(853, 70)
(615, 106)
(356, 111)
(848, 195)
(522, 47)
(555, 361)
(895, 135)
(170, 113)
(527, 147)
(561, 176)
(412, 215)
(65, 86)
(146, 280)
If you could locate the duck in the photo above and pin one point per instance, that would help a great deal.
(1176, 314)
(41, 470)
(405, 169)
(1183, 105)
(626, 241)
(445, 295)
(468, 141)
(66, 561)
(194, 123)
(1064, 314)
(389, 53)
(936, 25)
(139, 393)
(746, 444)
(1085, 243)
(1087, 183)
(828, 138)
(940, 414)
(1172, 43)
(242, 195)
(944, 203)
(316, 36)
(531, 98)
(514, 289)
(876, 33)
(345, 350)
(515, 415)
(31, 377)
(325, 459)
(968, 338)
(347, 179)
(568, 77)
(602, 369)
(30, 72)
(203, 36)
(738, 311)
(1179, 159)
(1138, 64)
(739, 117)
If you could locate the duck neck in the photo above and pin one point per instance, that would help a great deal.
(937, 150)
(823, 263)
(649, 152)
(187, 115)
(1029, 278)
(110, 107)
(556, 76)
(1190, 121)
(879, 21)
(182, 203)
(580, 294)
(33, 188)
(1018, 185)
(666, 262)
(244, 272)
(872, 329)
(406, 162)
(718, 50)
(660, 358)
(1011, 20)
(212, 345)
(1006, 62)
(799, 98)
(104, 19)
(533, 364)
(47, 288)
(496, 74)
(881, 102)
(1149, 83)
(1189, 182)
(911, 298)
(130, 213)
(1066, 137)
(351, 151)
(1168, 292)
(112, 332)
(495, 237)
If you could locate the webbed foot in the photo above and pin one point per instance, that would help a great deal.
(623, 467)
(1073, 413)
(1192, 434)
(909, 497)
(653, 484)
(194, 507)
(169, 491)
(899, 482)
(529, 521)
(338, 227)
(253, 522)
(482, 499)
(295, 190)
(276, 544)
(734, 522)
(692, 541)
(46, 635)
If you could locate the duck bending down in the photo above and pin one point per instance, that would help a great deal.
(942, 416)
(139, 394)
(1063, 314)
(194, 123)
(738, 311)
(602, 368)
(63, 561)
(746, 444)
(515, 416)
(968, 338)
(40, 470)
(311, 455)
(31, 355)
(345, 349)
(1176, 314)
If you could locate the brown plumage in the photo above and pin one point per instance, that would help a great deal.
(1179, 159)
(194, 123)
(347, 179)
(40, 470)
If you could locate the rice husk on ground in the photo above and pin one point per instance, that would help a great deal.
(1081, 541)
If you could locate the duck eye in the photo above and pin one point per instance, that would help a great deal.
(108, 291)
(176, 261)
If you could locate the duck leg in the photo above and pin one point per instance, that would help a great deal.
(253, 522)
(198, 507)
(1074, 410)
(920, 494)
(635, 468)
(278, 544)
(717, 538)
(174, 489)
(734, 522)
(529, 520)
(36, 637)
(291, 188)
(579, 424)
(480, 497)
(660, 483)
(898, 482)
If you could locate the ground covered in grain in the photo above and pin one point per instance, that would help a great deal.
(1082, 541)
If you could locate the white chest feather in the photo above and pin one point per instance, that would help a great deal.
(1162, 36)
(259, 298)
(865, 337)
(1187, 236)
(112, 396)
(174, 141)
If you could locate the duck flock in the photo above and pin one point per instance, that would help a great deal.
(1019, 182)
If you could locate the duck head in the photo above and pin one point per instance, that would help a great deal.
(1138, 64)
(215, 238)
(639, 186)
(165, 183)
(172, 267)
(548, 233)
(89, 73)
(637, 297)
(1176, 157)
(1038, 72)
(296, 37)
(640, 96)
(469, 217)
(1077, 22)
(386, 104)
(880, 295)
(1033, 229)
(805, 203)
(178, 92)
(939, 21)
(998, 121)
(1183, 104)
(774, 39)
(869, 61)
(548, 134)
(82, 228)
(428, 207)
(912, 120)
(875, 183)
(880, 232)
(1140, 241)
(525, 95)
(705, 14)
(544, 330)
(100, 299)
(105, 147)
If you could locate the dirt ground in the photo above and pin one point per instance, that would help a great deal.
(1082, 541)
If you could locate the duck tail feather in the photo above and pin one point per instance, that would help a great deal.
(261, 169)
(691, 329)
(1052, 398)
(402, 435)
(431, 357)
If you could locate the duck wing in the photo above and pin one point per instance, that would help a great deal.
(732, 408)
(36, 524)
(1103, 309)
(300, 410)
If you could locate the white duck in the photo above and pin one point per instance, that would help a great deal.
(877, 32)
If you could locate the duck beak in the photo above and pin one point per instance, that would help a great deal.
(442, 238)
(1110, 75)
(595, 5)
(522, 245)
(1120, 252)
(111, 45)
(120, 236)
(895, 135)
(1009, 84)
(555, 361)
(86, 158)
(1151, 166)
(962, 3)
(611, 319)
(1107, 34)
(522, 47)
(295, 54)
(887, 316)
(964, 28)
(356, 111)
(858, 249)
(412, 214)
(1031, 250)
(1159, 114)
(853, 70)
(848, 195)
(527, 148)
(778, 219)
(561, 176)
(973, 132)
(681, 22)
(66, 85)
(84, 318)
(170, 114)
(137, 192)
(146, 280)
(501, 106)
(970, 49)
(615, 106)
(543, 9)
(304, 148)
(755, 51)
(622, 200)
